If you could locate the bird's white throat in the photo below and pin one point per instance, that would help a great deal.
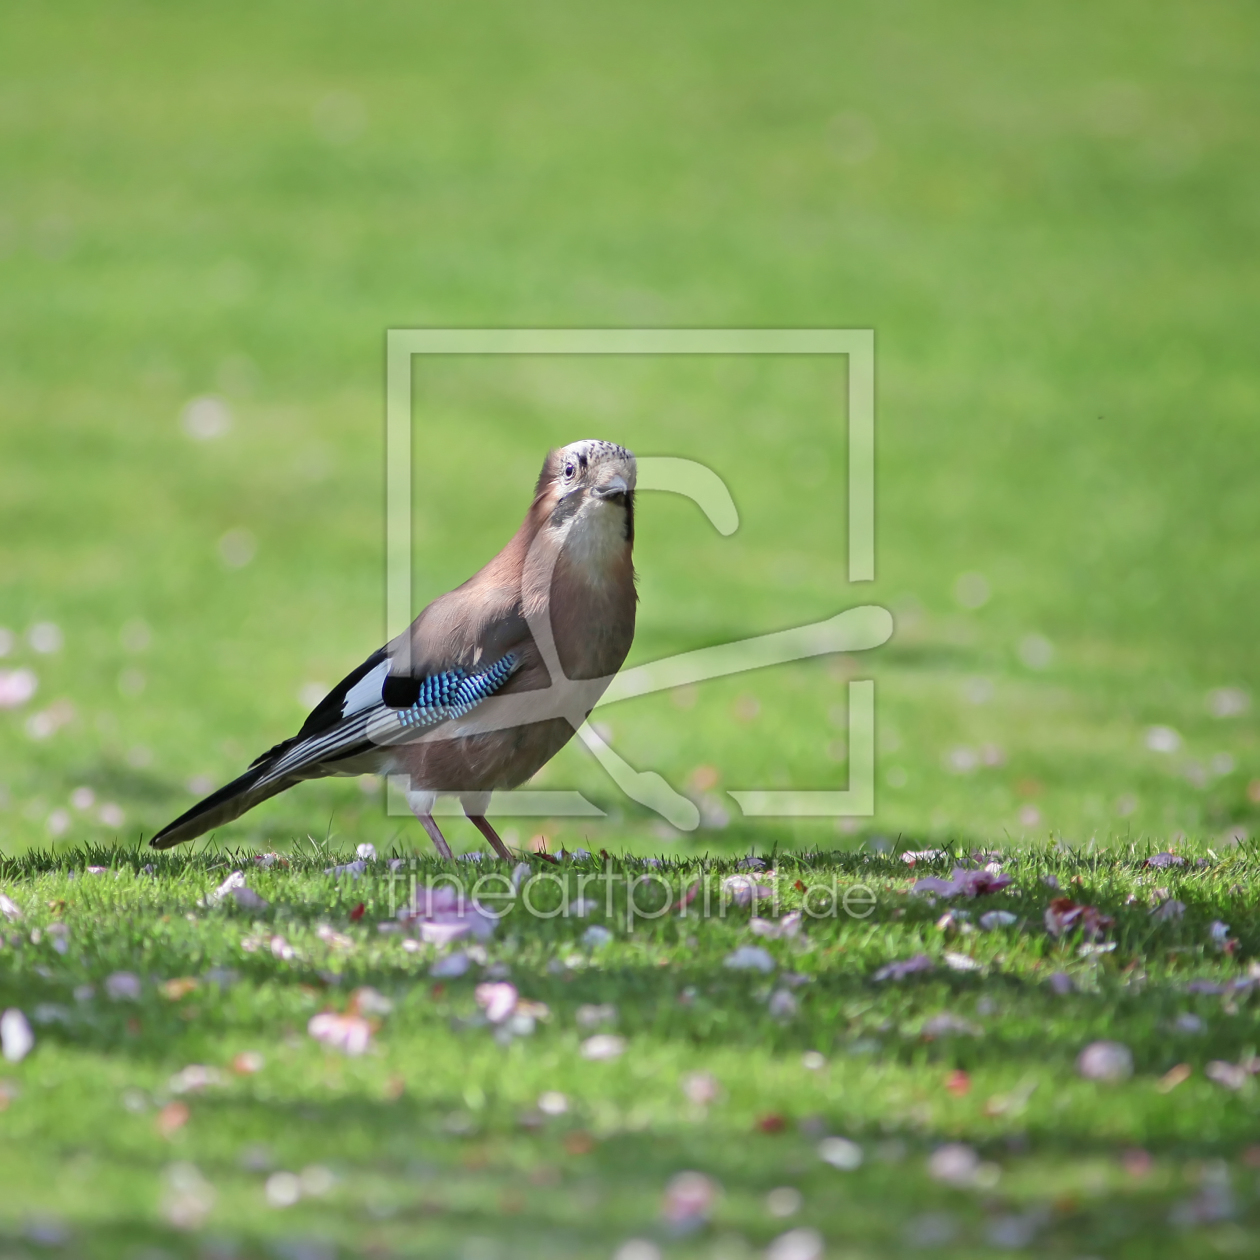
(596, 540)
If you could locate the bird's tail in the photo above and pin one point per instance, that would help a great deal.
(228, 803)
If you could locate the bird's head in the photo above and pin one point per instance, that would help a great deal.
(587, 489)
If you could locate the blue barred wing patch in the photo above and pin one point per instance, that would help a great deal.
(455, 692)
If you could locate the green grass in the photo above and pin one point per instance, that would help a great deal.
(434, 1138)
(1042, 214)
(1046, 214)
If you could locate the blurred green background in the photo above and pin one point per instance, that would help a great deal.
(1047, 213)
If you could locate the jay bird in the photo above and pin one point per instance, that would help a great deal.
(492, 679)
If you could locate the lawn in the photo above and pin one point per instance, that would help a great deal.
(210, 216)
(539, 1087)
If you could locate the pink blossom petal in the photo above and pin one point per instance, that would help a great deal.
(603, 1046)
(954, 1163)
(689, 1199)
(194, 1078)
(497, 1000)
(351, 1034)
(797, 1244)
(935, 884)
(1230, 1075)
(17, 686)
(701, 1088)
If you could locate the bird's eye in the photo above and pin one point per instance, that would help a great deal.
(569, 470)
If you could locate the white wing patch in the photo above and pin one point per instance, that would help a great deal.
(366, 693)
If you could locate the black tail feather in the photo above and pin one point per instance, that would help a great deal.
(228, 803)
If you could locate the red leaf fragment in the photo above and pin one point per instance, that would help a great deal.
(172, 1118)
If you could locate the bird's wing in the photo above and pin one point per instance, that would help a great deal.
(372, 706)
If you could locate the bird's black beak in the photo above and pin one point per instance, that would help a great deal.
(614, 490)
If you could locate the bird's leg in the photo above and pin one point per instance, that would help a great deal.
(439, 840)
(482, 823)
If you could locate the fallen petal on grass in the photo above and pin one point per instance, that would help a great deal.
(787, 927)
(796, 1244)
(637, 1249)
(1230, 1075)
(330, 936)
(451, 966)
(946, 1023)
(954, 1163)
(189, 1196)
(700, 1088)
(234, 886)
(689, 1198)
(997, 919)
(592, 1015)
(840, 1153)
(553, 1103)
(603, 1046)
(1065, 915)
(911, 856)
(965, 882)
(194, 1078)
(353, 869)
(123, 986)
(497, 1000)
(906, 967)
(16, 1036)
(444, 914)
(749, 958)
(1107, 1061)
(744, 890)
(283, 1189)
(365, 1000)
(351, 1034)
(783, 1004)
